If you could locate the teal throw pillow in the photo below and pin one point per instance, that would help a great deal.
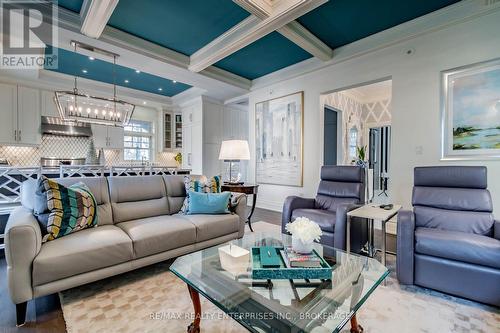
(208, 203)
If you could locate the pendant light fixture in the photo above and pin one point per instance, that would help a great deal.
(80, 107)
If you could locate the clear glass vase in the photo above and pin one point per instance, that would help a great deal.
(301, 247)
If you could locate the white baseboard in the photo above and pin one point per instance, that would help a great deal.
(270, 205)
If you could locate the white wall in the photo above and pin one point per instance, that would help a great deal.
(415, 104)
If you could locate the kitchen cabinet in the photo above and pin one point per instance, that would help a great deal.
(8, 125)
(171, 131)
(49, 108)
(28, 116)
(107, 137)
(202, 132)
(20, 123)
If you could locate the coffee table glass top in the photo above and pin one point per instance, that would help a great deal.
(286, 305)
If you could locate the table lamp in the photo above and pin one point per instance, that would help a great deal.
(234, 151)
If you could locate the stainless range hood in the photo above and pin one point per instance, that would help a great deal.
(56, 126)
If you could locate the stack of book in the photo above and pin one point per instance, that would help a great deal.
(296, 260)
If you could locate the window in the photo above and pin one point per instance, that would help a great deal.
(138, 141)
(353, 142)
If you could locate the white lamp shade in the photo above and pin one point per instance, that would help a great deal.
(234, 150)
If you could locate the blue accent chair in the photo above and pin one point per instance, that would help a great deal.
(450, 241)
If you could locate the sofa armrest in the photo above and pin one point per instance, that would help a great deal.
(340, 233)
(405, 247)
(291, 203)
(239, 207)
(496, 229)
(23, 241)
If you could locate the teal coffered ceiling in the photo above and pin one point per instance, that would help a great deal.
(72, 63)
(73, 5)
(340, 22)
(186, 26)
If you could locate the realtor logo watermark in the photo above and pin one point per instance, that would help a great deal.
(29, 34)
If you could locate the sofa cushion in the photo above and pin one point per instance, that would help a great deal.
(324, 218)
(201, 184)
(212, 226)
(62, 210)
(97, 185)
(176, 192)
(158, 234)
(137, 197)
(81, 252)
(460, 246)
(208, 203)
(99, 188)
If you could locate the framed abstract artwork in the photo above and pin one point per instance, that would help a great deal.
(279, 140)
(470, 121)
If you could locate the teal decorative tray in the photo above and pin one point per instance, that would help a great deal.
(285, 273)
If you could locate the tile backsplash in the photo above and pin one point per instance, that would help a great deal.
(68, 147)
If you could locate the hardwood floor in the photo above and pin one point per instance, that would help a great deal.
(45, 314)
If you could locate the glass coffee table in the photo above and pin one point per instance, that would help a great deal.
(281, 305)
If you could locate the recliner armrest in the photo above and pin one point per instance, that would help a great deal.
(291, 203)
(23, 241)
(339, 235)
(405, 247)
(496, 229)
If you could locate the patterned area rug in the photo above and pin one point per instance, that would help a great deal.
(152, 299)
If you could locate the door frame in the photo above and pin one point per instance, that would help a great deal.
(339, 134)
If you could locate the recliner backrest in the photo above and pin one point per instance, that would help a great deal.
(176, 192)
(453, 198)
(340, 185)
(98, 186)
(135, 197)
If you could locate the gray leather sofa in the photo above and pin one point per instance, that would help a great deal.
(138, 226)
(450, 241)
(341, 189)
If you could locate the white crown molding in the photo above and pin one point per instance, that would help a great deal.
(247, 32)
(187, 95)
(96, 14)
(457, 13)
(227, 77)
(236, 99)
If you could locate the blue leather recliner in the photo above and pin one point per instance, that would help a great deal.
(450, 241)
(341, 189)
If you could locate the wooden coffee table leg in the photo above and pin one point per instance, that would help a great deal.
(195, 298)
(355, 327)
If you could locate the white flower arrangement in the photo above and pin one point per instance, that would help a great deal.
(304, 229)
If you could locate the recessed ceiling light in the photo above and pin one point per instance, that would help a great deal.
(160, 89)
(137, 71)
(144, 103)
(84, 71)
(126, 81)
(174, 81)
(91, 58)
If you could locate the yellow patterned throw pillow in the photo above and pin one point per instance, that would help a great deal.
(63, 210)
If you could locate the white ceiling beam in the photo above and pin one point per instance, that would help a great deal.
(247, 32)
(95, 15)
(294, 31)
